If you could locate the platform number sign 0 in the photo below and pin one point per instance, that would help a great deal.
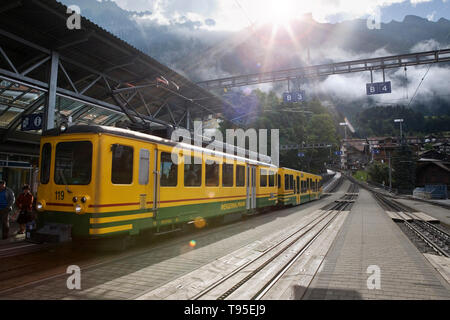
(32, 122)
(289, 97)
(378, 88)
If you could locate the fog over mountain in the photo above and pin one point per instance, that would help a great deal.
(190, 47)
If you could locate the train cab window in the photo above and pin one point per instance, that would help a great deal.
(73, 163)
(240, 176)
(298, 184)
(279, 181)
(144, 166)
(192, 171)
(291, 182)
(169, 170)
(212, 174)
(263, 178)
(271, 179)
(122, 164)
(45, 163)
(227, 175)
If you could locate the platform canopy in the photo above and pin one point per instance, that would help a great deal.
(86, 76)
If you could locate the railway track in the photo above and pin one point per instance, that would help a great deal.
(275, 262)
(21, 248)
(434, 237)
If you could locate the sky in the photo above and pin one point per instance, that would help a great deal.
(239, 14)
(234, 15)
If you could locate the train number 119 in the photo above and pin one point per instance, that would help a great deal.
(59, 195)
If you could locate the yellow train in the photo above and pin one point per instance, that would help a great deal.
(106, 181)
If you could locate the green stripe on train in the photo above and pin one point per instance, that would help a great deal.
(163, 216)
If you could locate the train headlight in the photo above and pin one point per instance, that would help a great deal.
(78, 209)
(63, 127)
(40, 205)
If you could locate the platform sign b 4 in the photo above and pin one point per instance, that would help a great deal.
(378, 88)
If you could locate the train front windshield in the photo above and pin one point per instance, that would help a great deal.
(73, 163)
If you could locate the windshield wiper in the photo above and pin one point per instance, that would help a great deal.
(64, 180)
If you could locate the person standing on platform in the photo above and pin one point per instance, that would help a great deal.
(25, 204)
(6, 203)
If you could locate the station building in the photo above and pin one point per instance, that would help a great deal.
(51, 76)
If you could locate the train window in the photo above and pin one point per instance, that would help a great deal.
(279, 181)
(169, 170)
(73, 163)
(240, 176)
(286, 182)
(144, 166)
(227, 175)
(298, 184)
(122, 164)
(45, 163)
(192, 171)
(303, 186)
(263, 178)
(291, 182)
(212, 174)
(271, 178)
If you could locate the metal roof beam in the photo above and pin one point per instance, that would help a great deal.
(11, 5)
(389, 62)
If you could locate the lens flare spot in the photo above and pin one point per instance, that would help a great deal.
(247, 91)
(199, 223)
(192, 243)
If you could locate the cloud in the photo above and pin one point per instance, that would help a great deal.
(431, 16)
(236, 15)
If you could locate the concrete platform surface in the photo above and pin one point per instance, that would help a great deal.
(136, 275)
(442, 214)
(369, 245)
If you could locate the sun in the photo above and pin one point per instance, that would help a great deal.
(277, 12)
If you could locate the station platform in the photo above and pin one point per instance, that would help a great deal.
(332, 182)
(370, 238)
(441, 214)
(134, 273)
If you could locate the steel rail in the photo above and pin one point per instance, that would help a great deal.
(436, 247)
(339, 206)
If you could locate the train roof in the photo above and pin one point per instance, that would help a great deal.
(149, 138)
(312, 174)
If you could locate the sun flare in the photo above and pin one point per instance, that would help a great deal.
(278, 12)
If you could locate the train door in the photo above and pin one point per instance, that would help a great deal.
(147, 158)
(309, 188)
(297, 196)
(251, 187)
(156, 165)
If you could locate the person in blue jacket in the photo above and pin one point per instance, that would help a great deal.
(7, 200)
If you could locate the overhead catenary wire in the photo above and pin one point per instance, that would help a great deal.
(426, 73)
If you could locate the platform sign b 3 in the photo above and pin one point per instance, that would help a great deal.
(297, 96)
